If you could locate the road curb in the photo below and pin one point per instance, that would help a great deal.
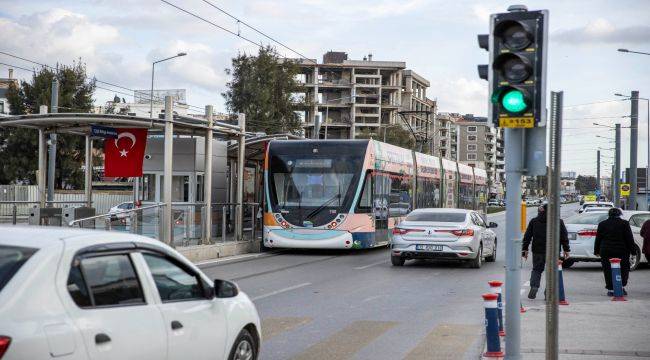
(237, 259)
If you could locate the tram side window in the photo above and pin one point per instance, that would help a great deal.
(400, 196)
(428, 193)
(466, 198)
(365, 201)
(381, 194)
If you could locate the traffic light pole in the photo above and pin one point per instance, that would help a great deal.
(634, 140)
(617, 166)
(514, 142)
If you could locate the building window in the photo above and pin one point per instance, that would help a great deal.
(471, 137)
(471, 157)
(2, 107)
(471, 147)
(471, 129)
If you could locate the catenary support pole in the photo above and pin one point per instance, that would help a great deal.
(617, 166)
(168, 171)
(207, 178)
(51, 165)
(634, 144)
(88, 173)
(553, 226)
(514, 169)
(597, 170)
(241, 159)
(42, 162)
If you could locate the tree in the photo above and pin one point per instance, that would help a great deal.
(18, 146)
(394, 134)
(585, 184)
(261, 88)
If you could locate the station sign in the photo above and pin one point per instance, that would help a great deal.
(103, 131)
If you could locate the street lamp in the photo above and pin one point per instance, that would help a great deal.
(633, 52)
(647, 166)
(153, 68)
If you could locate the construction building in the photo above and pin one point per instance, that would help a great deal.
(4, 87)
(349, 98)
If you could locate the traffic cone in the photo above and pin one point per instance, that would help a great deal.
(615, 264)
(495, 287)
(560, 284)
(492, 326)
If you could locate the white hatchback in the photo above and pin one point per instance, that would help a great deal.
(455, 234)
(82, 294)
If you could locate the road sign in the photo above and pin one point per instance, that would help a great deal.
(597, 192)
(103, 131)
(590, 197)
(625, 189)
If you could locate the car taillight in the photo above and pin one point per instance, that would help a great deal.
(463, 232)
(591, 232)
(4, 345)
(400, 231)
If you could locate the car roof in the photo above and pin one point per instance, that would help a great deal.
(44, 236)
(598, 203)
(442, 210)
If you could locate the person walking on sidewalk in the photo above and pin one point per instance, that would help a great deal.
(645, 234)
(614, 239)
(536, 233)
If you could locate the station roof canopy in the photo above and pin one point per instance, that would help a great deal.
(80, 123)
(255, 145)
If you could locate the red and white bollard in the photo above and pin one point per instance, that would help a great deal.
(492, 326)
(615, 264)
(495, 287)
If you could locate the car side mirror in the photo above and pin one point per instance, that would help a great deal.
(493, 225)
(225, 289)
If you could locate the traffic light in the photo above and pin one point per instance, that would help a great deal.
(517, 44)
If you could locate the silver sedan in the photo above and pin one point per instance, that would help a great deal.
(456, 234)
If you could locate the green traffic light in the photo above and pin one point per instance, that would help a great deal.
(514, 101)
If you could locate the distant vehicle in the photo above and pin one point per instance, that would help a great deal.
(582, 228)
(83, 294)
(502, 202)
(455, 234)
(533, 202)
(605, 205)
(117, 212)
(593, 209)
(494, 202)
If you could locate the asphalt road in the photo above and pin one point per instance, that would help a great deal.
(355, 305)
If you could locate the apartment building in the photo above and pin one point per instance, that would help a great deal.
(445, 138)
(4, 87)
(353, 96)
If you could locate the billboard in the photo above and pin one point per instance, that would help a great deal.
(144, 96)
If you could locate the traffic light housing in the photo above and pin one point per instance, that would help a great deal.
(517, 44)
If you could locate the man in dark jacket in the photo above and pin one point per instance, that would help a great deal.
(614, 239)
(645, 234)
(536, 233)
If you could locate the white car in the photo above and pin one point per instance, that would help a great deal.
(582, 228)
(595, 204)
(118, 211)
(85, 294)
(456, 234)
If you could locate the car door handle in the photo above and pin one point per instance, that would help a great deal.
(176, 325)
(102, 338)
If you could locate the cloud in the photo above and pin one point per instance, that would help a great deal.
(461, 95)
(602, 31)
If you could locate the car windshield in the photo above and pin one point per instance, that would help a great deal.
(11, 259)
(436, 216)
(587, 219)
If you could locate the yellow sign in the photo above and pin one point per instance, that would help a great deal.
(590, 197)
(625, 189)
(517, 122)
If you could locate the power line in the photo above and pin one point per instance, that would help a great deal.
(593, 103)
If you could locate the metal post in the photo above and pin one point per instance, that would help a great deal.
(224, 223)
(553, 226)
(253, 222)
(207, 178)
(153, 68)
(617, 166)
(647, 164)
(42, 160)
(167, 172)
(14, 214)
(241, 159)
(514, 170)
(611, 185)
(634, 142)
(51, 171)
(597, 171)
(88, 185)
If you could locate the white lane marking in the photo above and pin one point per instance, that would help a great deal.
(280, 291)
(371, 265)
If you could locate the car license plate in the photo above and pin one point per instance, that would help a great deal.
(429, 247)
(572, 236)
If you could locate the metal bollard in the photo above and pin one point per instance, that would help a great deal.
(14, 214)
(223, 224)
(492, 326)
(253, 222)
(615, 264)
(560, 284)
(495, 287)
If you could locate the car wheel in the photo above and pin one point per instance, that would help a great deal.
(493, 257)
(244, 347)
(567, 263)
(635, 259)
(397, 260)
(478, 261)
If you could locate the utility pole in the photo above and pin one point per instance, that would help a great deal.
(51, 165)
(634, 141)
(617, 166)
(598, 170)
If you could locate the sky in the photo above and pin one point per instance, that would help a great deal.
(119, 39)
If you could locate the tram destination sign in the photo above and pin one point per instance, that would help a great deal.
(103, 131)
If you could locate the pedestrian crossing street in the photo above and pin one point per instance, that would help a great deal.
(443, 341)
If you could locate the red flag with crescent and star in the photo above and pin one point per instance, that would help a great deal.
(123, 155)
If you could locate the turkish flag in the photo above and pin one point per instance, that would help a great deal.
(123, 155)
